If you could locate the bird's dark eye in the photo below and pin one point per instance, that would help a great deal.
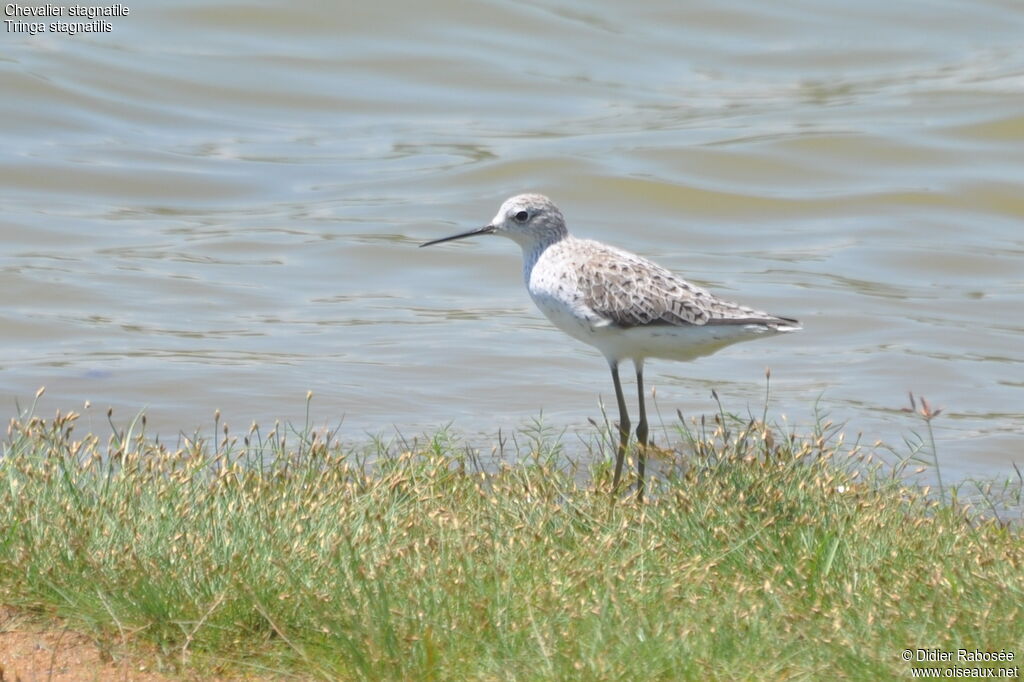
(522, 216)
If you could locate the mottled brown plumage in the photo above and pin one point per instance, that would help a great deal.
(631, 291)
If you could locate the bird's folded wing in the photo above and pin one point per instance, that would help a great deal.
(631, 291)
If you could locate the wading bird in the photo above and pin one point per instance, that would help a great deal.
(622, 304)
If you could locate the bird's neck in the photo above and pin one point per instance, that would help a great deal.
(532, 252)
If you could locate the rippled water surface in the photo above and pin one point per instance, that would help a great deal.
(217, 205)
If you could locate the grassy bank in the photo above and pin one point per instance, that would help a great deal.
(285, 554)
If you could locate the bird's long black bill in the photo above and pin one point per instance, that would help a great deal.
(486, 229)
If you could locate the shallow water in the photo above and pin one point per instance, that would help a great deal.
(217, 205)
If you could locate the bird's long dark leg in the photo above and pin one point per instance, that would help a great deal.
(620, 456)
(641, 432)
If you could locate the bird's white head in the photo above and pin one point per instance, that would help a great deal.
(530, 220)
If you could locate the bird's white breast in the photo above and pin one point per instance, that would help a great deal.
(550, 278)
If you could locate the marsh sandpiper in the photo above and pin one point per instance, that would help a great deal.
(626, 306)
